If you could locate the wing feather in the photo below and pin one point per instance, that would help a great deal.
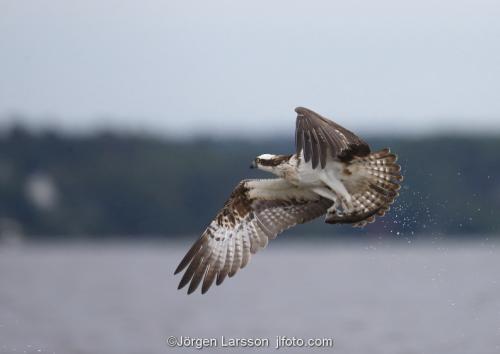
(243, 226)
(260, 234)
(238, 255)
(315, 149)
(200, 272)
(245, 249)
(209, 277)
(299, 133)
(323, 137)
(268, 233)
(373, 183)
(322, 146)
(307, 145)
(188, 275)
(214, 267)
(228, 263)
(191, 253)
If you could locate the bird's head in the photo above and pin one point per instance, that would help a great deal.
(270, 163)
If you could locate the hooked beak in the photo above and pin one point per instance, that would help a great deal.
(253, 165)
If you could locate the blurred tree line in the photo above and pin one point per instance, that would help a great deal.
(108, 184)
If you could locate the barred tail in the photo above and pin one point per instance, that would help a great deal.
(373, 182)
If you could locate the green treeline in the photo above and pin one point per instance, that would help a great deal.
(108, 184)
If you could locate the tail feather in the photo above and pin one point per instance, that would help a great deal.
(373, 182)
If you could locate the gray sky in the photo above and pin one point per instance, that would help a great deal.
(184, 67)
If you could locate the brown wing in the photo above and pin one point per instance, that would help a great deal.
(317, 136)
(256, 211)
(373, 182)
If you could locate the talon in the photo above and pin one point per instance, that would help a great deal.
(330, 218)
(331, 210)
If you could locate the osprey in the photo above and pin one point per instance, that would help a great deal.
(332, 172)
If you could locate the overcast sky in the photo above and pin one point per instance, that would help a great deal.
(189, 67)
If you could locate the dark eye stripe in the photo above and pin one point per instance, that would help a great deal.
(275, 161)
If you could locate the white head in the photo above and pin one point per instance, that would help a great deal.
(271, 163)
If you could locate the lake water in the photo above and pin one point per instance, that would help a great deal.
(370, 297)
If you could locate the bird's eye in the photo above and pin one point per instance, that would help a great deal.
(257, 160)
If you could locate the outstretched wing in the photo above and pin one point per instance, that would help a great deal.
(256, 211)
(317, 136)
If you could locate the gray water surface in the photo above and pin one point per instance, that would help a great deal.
(122, 298)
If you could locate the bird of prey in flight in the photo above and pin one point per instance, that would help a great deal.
(332, 173)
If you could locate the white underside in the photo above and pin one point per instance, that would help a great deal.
(324, 182)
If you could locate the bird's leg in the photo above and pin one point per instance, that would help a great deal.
(328, 194)
(343, 197)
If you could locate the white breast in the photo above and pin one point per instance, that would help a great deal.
(307, 176)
